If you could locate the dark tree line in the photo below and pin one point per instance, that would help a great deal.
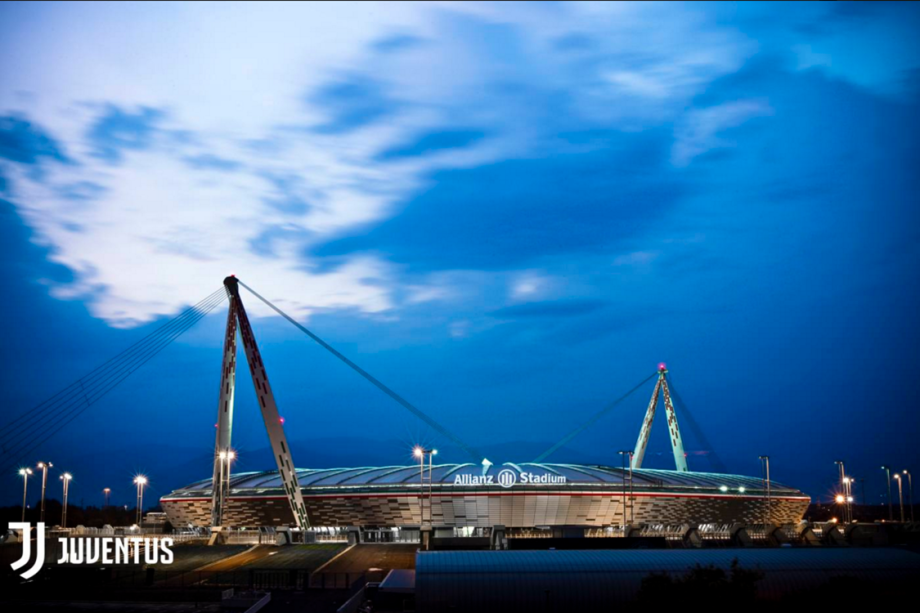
(90, 516)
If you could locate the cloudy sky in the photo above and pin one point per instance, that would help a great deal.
(508, 212)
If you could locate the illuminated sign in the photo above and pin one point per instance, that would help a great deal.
(508, 478)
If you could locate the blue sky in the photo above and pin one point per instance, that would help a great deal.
(508, 212)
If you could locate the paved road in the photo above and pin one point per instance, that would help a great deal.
(250, 557)
(362, 557)
(298, 557)
(214, 569)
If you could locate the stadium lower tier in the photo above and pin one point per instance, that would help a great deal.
(513, 495)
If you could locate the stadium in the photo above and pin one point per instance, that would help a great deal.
(511, 495)
(461, 499)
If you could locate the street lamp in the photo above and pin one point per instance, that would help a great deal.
(140, 481)
(625, 457)
(910, 491)
(65, 478)
(887, 470)
(420, 453)
(25, 472)
(900, 496)
(224, 484)
(845, 484)
(765, 472)
(848, 492)
(105, 493)
(44, 466)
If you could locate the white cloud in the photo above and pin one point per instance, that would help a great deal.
(530, 285)
(161, 234)
(698, 131)
(426, 293)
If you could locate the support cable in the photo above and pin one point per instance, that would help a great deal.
(81, 400)
(89, 386)
(115, 375)
(85, 383)
(593, 419)
(370, 378)
(81, 404)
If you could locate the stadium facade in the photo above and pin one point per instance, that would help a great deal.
(459, 496)
(512, 495)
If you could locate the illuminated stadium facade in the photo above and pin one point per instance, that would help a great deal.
(459, 496)
(511, 495)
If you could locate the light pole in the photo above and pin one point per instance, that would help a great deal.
(765, 470)
(848, 492)
(227, 456)
(900, 496)
(25, 472)
(847, 498)
(910, 491)
(44, 466)
(632, 498)
(420, 453)
(105, 494)
(66, 477)
(431, 455)
(887, 470)
(140, 481)
(623, 460)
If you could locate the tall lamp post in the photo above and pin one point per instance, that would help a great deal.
(765, 468)
(420, 453)
(225, 457)
(26, 473)
(624, 459)
(632, 498)
(140, 481)
(846, 495)
(65, 478)
(848, 487)
(887, 470)
(900, 496)
(44, 466)
(910, 491)
(105, 494)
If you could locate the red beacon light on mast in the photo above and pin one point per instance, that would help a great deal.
(662, 367)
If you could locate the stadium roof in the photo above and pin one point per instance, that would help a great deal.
(445, 475)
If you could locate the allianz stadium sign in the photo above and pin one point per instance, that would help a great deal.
(508, 478)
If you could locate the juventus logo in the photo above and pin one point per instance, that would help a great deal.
(26, 529)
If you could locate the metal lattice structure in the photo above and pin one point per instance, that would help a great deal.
(274, 424)
(677, 445)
